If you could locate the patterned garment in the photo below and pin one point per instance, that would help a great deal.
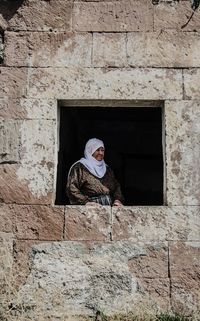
(102, 199)
(83, 187)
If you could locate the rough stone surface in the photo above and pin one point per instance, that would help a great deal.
(164, 223)
(101, 280)
(16, 190)
(32, 222)
(182, 152)
(109, 50)
(13, 82)
(185, 274)
(191, 81)
(34, 15)
(9, 141)
(28, 109)
(174, 15)
(44, 49)
(131, 15)
(6, 262)
(37, 155)
(94, 83)
(87, 223)
(173, 49)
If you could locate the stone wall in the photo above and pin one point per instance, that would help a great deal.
(70, 262)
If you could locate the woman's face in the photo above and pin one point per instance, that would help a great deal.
(99, 154)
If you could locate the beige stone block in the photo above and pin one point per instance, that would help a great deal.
(32, 222)
(87, 223)
(109, 49)
(28, 109)
(36, 222)
(13, 82)
(169, 48)
(156, 223)
(153, 264)
(191, 83)
(9, 141)
(96, 83)
(14, 189)
(125, 15)
(76, 279)
(34, 15)
(158, 289)
(22, 254)
(63, 83)
(140, 84)
(44, 49)
(182, 119)
(174, 15)
(185, 278)
(3, 23)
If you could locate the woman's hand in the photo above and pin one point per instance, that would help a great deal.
(117, 203)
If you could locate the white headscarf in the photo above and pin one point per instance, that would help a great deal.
(97, 168)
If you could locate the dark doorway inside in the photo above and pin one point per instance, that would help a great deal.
(133, 142)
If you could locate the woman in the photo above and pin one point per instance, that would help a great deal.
(91, 181)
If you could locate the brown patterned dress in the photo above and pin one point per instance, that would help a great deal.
(82, 186)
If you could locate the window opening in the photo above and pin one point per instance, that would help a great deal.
(133, 142)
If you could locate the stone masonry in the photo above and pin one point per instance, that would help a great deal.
(61, 263)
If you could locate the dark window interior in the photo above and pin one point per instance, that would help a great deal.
(133, 148)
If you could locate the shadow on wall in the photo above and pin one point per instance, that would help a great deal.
(9, 7)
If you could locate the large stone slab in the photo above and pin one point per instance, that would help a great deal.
(14, 189)
(96, 83)
(185, 277)
(88, 223)
(34, 222)
(131, 15)
(191, 81)
(32, 180)
(9, 141)
(34, 15)
(28, 108)
(182, 121)
(44, 49)
(169, 48)
(174, 15)
(73, 279)
(13, 82)
(156, 223)
(109, 50)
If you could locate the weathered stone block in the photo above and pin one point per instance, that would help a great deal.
(156, 223)
(15, 189)
(87, 223)
(28, 108)
(13, 82)
(174, 15)
(63, 83)
(109, 50)
(140, 84)
(6, 223)
(9, 141)
(96, 83)
(131, 15)
(43, 49)
(182, 119)
(34, 222)
(34, 15)
(191, 83)
(185, 277)
(74, 279)
(168, 48)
